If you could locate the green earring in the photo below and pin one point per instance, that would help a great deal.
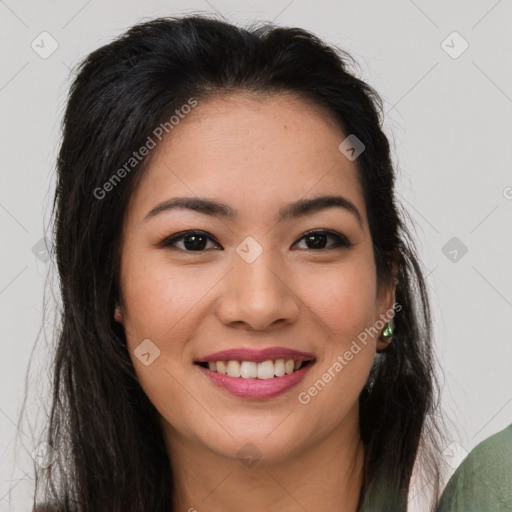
(388, 331)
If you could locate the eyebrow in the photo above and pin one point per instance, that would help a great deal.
(293, 210)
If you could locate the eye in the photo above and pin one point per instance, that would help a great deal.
(193, 241)
(197, 241)
(317, 239)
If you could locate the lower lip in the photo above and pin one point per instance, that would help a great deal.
(256, 389)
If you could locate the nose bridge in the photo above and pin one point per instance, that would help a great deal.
(255, 292)
(258, 275)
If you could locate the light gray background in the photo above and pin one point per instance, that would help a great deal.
(448, 119)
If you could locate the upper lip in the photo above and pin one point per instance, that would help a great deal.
(248, 354)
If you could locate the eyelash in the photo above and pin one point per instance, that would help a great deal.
(342, 241)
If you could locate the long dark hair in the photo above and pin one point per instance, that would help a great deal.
(110, 450)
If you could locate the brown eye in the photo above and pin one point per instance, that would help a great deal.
(197, 241)
(317, 240)
(193, 241)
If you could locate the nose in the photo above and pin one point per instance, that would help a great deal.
(257, 295)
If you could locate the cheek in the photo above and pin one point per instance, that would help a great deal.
(346, 306)
(344, 297)
(156, 306)
(155, 298)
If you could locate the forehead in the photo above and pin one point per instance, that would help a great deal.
(254, 152)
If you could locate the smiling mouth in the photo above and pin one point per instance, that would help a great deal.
(263, 370)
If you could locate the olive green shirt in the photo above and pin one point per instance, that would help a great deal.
(483, 481)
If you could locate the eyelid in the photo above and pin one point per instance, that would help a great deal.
(343, 240)
(168, 241)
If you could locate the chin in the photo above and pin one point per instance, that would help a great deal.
(267, 443)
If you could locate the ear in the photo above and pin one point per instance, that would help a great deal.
(386, 302)
(118, 315)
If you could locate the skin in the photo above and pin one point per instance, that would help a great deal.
(255, 154)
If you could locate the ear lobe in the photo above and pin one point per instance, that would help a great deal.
(118, 316)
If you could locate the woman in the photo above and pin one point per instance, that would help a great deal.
(245, 324)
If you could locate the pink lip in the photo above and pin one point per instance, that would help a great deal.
(256, 389)
(247, 354)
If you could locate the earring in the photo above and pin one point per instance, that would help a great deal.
(388, 331)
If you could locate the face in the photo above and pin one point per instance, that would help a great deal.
(250, 279)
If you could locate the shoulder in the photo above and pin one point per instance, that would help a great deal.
(499, 445)
(483, 482)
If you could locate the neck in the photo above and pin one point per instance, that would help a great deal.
(326, 476)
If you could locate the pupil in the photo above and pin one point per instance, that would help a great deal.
(321, 244)
(198, 242)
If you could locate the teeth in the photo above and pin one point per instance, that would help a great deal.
(233, 369)
(248, 370)
(252, 370)
(266, 370)
(279, 368)
(221, 367)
